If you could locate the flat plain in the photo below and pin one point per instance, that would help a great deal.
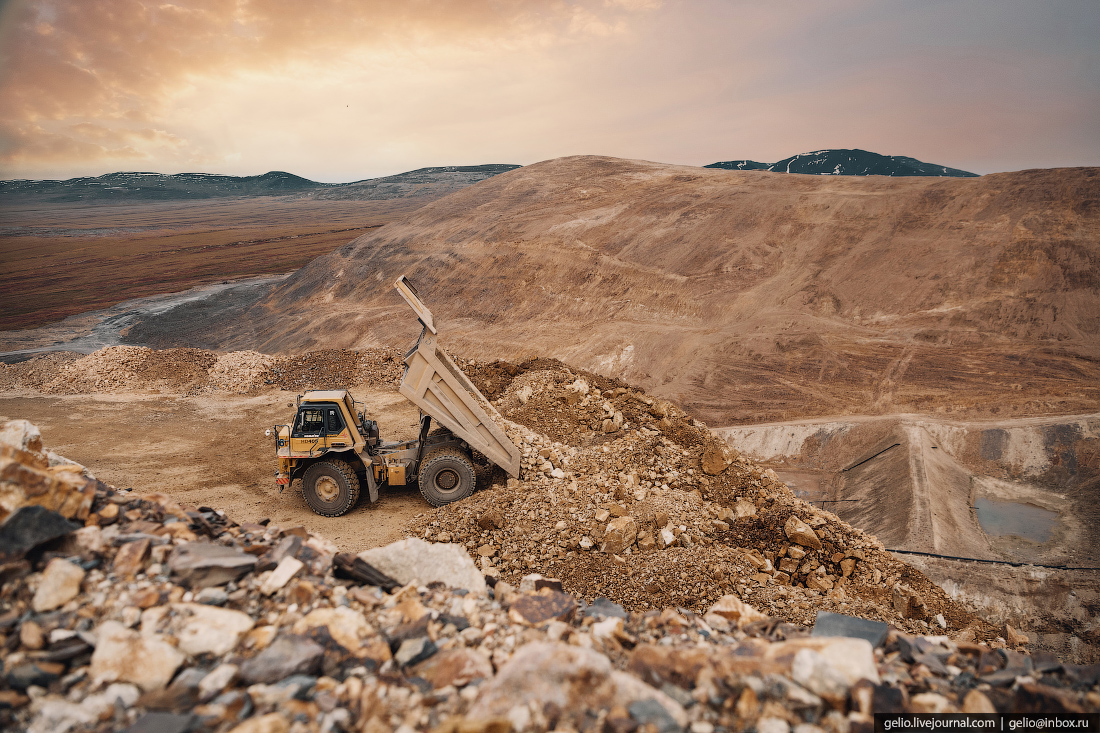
(61, 259)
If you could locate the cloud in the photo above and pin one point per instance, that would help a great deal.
(347, 89)
(66, 64)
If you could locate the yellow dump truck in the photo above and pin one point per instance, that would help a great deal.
(335, 448)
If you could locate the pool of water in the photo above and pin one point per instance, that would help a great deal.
(1012, 518)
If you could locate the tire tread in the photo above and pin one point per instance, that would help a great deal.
(353, 485)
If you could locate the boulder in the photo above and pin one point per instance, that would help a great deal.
(619, 535)
(28, 527)
(22, 435)
(800, 533)
(287, 568)
(60, 583)
(25, 480)
(127, 656)
(567, 678)
(413, 559)
(202, 629)
(734, 611)
(547, 605)
(457, 667)
(744, 508)
(346, 627)
(285, 656)
(717, 457)
(202, 564)
(491, 519)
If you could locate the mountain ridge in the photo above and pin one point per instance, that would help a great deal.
(140, 185)
(847, 162)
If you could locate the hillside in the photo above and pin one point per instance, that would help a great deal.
(743, 297)
(184, 186)
(842, 162)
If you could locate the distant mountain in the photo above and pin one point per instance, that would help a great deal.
(739, 165)
(842, 162)
(162, 187)
(420, 182)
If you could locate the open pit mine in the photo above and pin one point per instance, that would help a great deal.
(787, 452)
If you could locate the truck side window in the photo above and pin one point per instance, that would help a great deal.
(335, 424)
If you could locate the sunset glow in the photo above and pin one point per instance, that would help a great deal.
(341, 90)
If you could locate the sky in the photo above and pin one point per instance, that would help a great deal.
(343, 90)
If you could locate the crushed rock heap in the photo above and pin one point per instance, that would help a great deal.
(625, 496)
(120, 610)
(198, 371)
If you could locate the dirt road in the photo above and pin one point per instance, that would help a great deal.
(211, 451)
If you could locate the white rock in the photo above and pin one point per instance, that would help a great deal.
(203, 629)
(414, 559)
(54, 715)
(60, 583)
(607, 628)
(829, 666)
(814, 672)
(21, 434)
(772, 725)
(287, 568)
(219, 678)
(348, 628)
(127, 656)
(104, 702)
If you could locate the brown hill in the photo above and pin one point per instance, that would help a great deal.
(743, 296)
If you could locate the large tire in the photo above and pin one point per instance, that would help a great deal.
(446, 476)
(331, 488)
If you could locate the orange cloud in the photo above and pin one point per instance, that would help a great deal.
(114, 64)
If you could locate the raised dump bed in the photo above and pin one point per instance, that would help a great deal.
(435, 384)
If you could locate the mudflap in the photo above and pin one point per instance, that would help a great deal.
(372, 485)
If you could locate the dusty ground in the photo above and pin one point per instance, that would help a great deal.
(64, 259)
(210, 450)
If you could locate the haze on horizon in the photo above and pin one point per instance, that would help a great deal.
(341, 90)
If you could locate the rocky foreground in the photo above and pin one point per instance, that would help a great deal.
(128, 611)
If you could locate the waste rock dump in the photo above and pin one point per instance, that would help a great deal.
(625, 496)
(198, 371)
(122, 610)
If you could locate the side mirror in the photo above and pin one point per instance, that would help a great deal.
(268, 432)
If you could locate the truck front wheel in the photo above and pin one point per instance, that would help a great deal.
(331, 488)
(446, 476)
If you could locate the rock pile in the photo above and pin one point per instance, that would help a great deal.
(131, 611)
(135, 611)
(624, 496)
(192, 371)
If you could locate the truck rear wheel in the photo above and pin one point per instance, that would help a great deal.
(331, 488)
(446, 476)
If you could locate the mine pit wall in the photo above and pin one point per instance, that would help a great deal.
(1059, 610)
(913, 482)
